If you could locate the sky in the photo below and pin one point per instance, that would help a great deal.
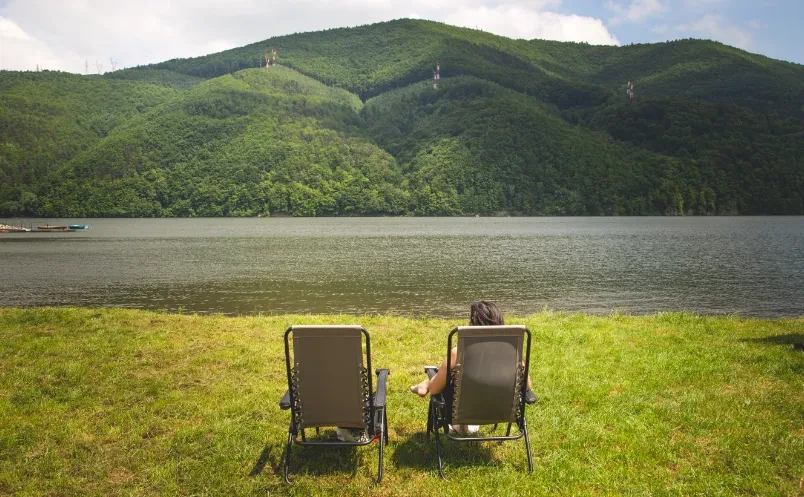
(100, 35)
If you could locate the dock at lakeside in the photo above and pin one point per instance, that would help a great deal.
(46, 228)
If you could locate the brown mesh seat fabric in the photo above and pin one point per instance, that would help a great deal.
(329, 376)
(487, 375)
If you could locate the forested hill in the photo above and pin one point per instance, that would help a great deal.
(348, 123)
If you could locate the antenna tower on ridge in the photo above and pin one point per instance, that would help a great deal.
(270, 59)
(436, 75)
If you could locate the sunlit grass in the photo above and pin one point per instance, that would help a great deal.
(120, 402)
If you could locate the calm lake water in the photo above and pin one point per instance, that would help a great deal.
(420, 266)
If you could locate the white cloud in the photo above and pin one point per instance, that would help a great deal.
(21, 51)
(716, 28)
(661, 29)
(62, 34)
(636, 11)
(517, 22)
(10, 31)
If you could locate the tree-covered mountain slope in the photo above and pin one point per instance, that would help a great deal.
(697, 69)
(369, 60)
(349, 123)
(480, 147)
(481, 142)
(253, 142)
(751, 160)
(47, 118)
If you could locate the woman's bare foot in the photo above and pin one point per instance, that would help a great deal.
(421, 389)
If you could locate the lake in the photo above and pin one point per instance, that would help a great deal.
(753, 266)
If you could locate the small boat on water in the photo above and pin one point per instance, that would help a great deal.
(79, 226)
(48, 227)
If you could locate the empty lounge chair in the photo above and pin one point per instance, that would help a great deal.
(328, 385)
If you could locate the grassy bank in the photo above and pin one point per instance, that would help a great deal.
(120, 402)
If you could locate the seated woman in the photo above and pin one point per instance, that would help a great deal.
(482, 313)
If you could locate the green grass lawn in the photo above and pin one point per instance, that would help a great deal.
(122, 402)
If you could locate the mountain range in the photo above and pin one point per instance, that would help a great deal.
(347, 122)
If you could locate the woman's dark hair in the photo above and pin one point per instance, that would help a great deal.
(485, 313)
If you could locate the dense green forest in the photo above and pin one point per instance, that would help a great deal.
(348, 123)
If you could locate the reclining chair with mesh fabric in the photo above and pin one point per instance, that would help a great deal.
(329, 386)
(488, 385)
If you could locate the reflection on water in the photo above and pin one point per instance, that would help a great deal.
(422, 266)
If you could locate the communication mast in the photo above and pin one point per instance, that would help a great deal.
(436, 75)
(270, 59)
(630, 91)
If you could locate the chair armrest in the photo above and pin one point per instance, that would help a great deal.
(437, 399)
(382, 378)
(530, 397)
(284, 404)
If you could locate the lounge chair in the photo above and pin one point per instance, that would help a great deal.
(488, 385)
(329, 386)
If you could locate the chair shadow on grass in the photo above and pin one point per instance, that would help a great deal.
(794, 339)
(259, 466)
(310, 460)
(419, 452)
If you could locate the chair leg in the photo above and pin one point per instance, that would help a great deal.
(287, 454)
(527, 445)
(429, 420)
(382, 443)
(385, 424)
(507, 433)
(438, 454)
